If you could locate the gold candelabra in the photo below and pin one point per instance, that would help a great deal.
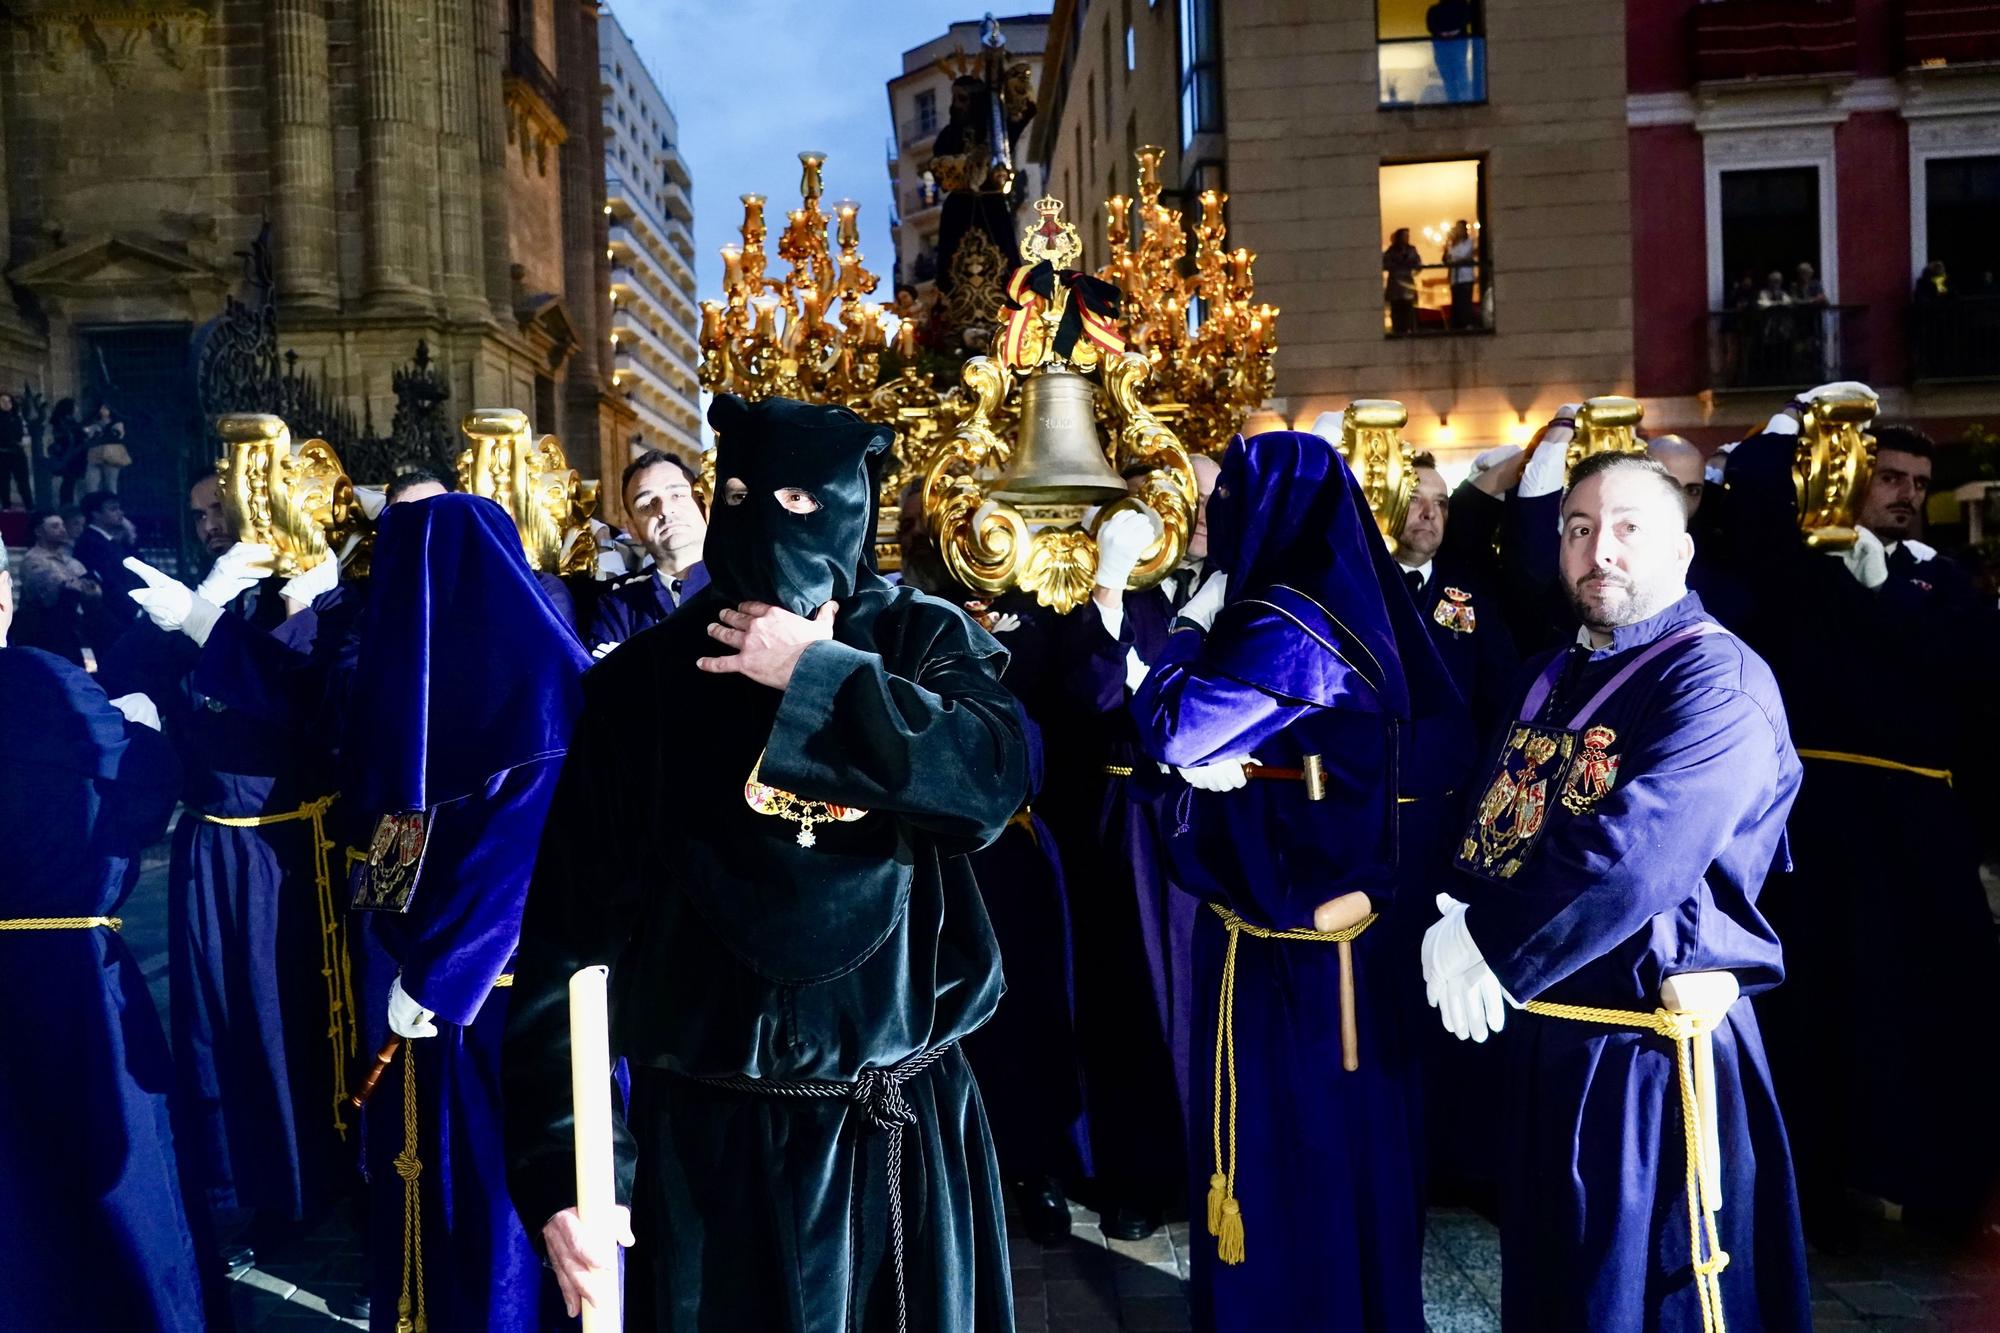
(811, 334)
(1222, 371)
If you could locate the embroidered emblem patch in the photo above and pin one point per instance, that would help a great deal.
(386, 881)
(1454, 611)
(1515, 808)
(1593, 774)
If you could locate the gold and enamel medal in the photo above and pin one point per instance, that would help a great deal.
(768, 800)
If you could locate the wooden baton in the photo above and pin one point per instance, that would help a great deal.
(383, 1058)
(1313, 774)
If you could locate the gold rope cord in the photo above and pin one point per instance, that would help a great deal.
(1225, 1213)
(334, 962)
(1871, 761)
(1682, 1030)
(409, 1168)
(62, 922)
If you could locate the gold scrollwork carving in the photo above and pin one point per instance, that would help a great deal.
(1371, 440)
(296, 499)
(533, 481)
(1833, 465)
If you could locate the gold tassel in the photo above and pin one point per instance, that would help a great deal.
(1230, 1247)
(1216, 1185)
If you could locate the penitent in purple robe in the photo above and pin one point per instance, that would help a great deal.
(1593, 874)
(1317, 651)
(1069, 673)
(95, 1229)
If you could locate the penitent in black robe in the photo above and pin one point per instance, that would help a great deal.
(737, 952)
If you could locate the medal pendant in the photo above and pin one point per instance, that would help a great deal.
(806, 838)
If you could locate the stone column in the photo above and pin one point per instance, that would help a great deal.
(489, 57)
(302, 208)
(586, 275)
(460, 193)
(391, 184)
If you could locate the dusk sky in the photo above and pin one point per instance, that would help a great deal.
(753, 82)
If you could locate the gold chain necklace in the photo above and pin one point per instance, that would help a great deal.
(768, 800)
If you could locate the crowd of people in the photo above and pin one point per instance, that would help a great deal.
(1403, 262)
(1598, 853)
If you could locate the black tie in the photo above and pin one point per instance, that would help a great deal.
(674, 591)
(1415, 578)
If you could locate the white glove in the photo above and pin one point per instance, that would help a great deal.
(1135, 670)
(1227, 775)
(1548, 467)
(236, 571)
(1327, 425)
(304, 588)
(1005, 623)
(138, 709)
(373, 500)
(1457, 981)
(1492, 458)
(407, 1018)
(1867, 559)
(168, 603)
(1121, 540)
(601, 651)
(1206, 604)
(1837, 389)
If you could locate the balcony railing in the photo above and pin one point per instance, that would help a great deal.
(1950, 32)
(1957, 338)
(1442, 306)
(1787, 346)
(524, 64)
(1430, 71)
(1772, 39)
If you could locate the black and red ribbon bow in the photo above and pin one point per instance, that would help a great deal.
(1092, 306)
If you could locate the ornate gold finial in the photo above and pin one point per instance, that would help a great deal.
(1371, 440)
(1833, 465)
(1607, 425)
(533, 481)
(296, 499)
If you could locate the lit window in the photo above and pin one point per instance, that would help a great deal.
(1429, 52)
(1436, 255)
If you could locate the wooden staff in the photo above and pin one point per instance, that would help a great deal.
(1350, 1028)
(383, 1059)
(1313, 774)
(590, 1089)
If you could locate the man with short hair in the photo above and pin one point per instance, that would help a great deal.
(1685, 464)
(668, 521)
(107, 539)
(1455, 599)
(54, 590)
(1892, 509)
(1608, 884)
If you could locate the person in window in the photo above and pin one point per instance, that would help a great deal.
(1461, 252)
(1452, 24)
(1402, 263)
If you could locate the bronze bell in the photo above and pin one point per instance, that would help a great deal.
(1058, 457)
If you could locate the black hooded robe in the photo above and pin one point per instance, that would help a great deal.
(738, 952)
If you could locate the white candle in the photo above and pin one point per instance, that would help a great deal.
(590, 1087)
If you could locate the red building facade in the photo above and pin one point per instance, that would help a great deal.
(1860, 138)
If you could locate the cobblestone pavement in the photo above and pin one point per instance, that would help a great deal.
(1896, 1282)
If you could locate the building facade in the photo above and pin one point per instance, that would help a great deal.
(647, 195)
(1333, 128)
(1859, 138)
(919, 107)
(1629, 177)
(430, 170)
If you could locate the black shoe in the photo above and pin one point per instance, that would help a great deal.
(237, 1258)
(1124, 1223)
(1044, 1211)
